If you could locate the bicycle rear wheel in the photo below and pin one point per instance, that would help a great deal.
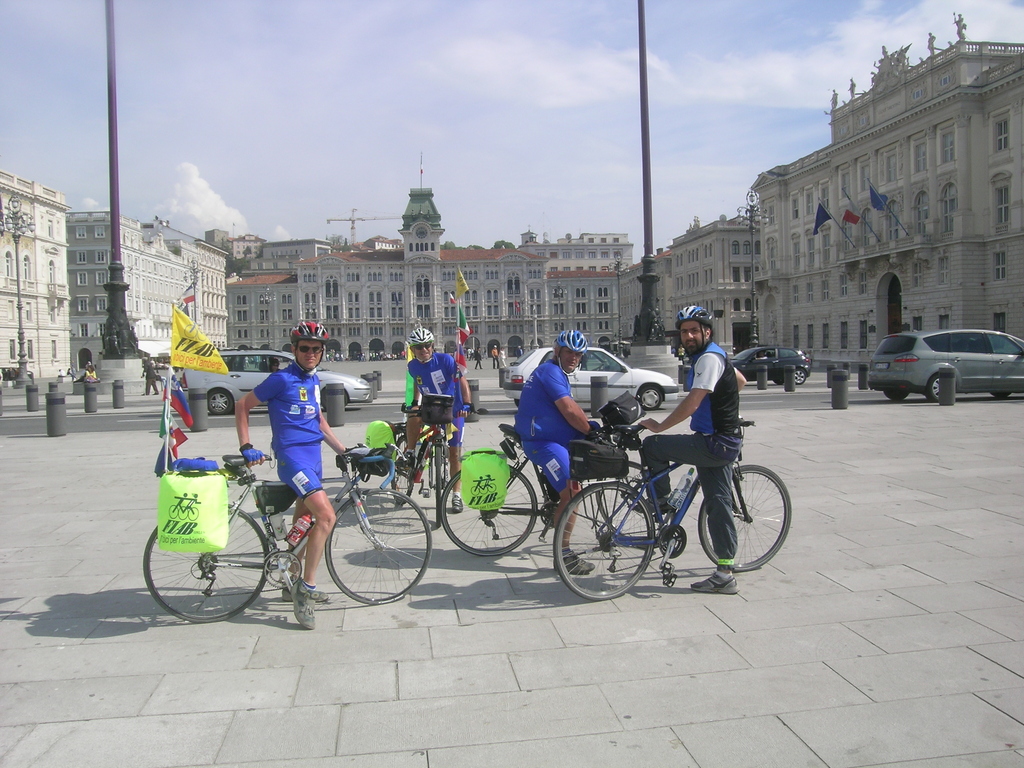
(384, 564)
(492, 533)
(209, 586)
(759, 534)
(610, 531)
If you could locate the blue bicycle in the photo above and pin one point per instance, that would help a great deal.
(615, 526)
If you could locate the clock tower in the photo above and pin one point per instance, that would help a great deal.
(421, 226)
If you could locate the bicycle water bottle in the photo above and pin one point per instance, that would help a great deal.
(678, 495)
(299, 530)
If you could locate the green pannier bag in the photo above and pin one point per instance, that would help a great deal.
(192, 512)
(485, 476)
(379, 434)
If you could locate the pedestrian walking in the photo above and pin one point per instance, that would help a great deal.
(477, 357)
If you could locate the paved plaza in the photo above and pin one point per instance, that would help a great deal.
(888, 631)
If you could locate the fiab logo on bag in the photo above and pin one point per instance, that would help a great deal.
(192, 512)
(484, 492)
(182, 515)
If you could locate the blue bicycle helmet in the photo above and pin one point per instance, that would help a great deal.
(693, 312)
(573, 340)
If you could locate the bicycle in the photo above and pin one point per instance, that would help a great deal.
(429, 466)
(376, 553)
(615, 526)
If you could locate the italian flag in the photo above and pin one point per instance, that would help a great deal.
(463, 333)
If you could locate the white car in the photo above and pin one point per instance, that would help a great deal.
(650, 387)
(248, 367)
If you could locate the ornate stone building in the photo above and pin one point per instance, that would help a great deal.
(922, 184)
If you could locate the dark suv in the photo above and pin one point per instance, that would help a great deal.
(776, 359)
(984, 361)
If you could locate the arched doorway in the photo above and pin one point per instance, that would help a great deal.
(398, 349)
(286, 347)
(333, 345)
(515, 346)
(449, 347)
(355, 349)
(264, 346)
(376, 349)
(84, 356)
(244, 346)
(890, 304)
(605, 343)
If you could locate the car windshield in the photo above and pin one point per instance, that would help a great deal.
(894, 345)
(744, 355)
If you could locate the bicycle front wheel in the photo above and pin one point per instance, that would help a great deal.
(384, 560)
(209, 586)
(496, 532)
(610, 532)
(762, 528)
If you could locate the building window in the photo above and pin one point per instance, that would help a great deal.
(949, 206)
(735, 247)
(810, 252)
(948, 149)
(824, 290)
(843, 288)
(862, 328)
(1003, 205)
(890, 167)
(810, 292)
(82, 257)
(999, 321)
(920, 212)
(920, 157)
(810, 336)
(796, 335)
(1002, 134)
(844, 334)
(865, 171)
(796, 207)
(943, 322)
(242, 315)
(862, 283)
(101, 278)
(101, 303)
(82, 278)
(83, 305)
(796, 294)
(826, 248)
(943, 267)
(915, 274)
(824, 335)
(917, 323)
(80, 233)
(999, 265)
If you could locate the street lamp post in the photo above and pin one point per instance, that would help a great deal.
(618, 305)
(18, 223)
(752, 212)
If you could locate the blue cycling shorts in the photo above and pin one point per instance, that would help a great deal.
(459, 422)
(552, 458)
(302, 468)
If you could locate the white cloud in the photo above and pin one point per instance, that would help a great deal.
(88, 204)
(280, 233)
(195, 207)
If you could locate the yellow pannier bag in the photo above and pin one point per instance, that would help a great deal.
(192, 512)
(485, 475)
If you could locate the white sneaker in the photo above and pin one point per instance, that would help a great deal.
(457, 505)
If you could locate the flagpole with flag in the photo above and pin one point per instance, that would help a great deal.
(855, 218)
(823, 215)
(463, 331)
(880, 202)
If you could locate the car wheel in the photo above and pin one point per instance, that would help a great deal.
(219, 402)
(895, 394)
(799, 376)
(1000, 395)
(931, 391)
(346, 400)
(650, 396)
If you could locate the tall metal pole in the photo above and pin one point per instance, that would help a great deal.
(753, 211)
(18, 223)
(651, 330)
(119, 339)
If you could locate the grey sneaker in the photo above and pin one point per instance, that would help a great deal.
(302, 605)
(456, 503)
(319, 596)
(575, 566)
(717, 583)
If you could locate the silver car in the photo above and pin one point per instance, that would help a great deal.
(984, 361)
(248, 367)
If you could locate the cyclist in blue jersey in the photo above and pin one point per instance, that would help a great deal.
(297, 427)
(437, 373)
(547, 419)
(713, 407)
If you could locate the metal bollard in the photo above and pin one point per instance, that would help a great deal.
(332, 398)
(56, 414)
(681, 375)
(53, 386)
(474, 398)
(762, 377)
(501, 376)
(380, 380)
(685, 373)
(197, 404)
(374, 389)
(117, 394)
(598, 393)
(862, 376)
(789, 378)
(840, 390)
(947, 386)
(1, 401)
(830, 370)
(31, 398)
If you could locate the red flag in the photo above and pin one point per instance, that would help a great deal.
(851, 217)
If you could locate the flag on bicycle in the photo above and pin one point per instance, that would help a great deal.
(174, 392)
(463, 333)
(173, 436)
(461, 286)
(190, 348)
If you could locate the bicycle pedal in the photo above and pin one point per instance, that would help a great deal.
(669, 580)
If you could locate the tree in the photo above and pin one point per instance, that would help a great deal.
(504, 244)
(448, 245)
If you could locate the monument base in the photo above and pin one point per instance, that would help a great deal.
(654, 357)
(128, 370)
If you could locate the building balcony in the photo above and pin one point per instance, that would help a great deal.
(58, 291)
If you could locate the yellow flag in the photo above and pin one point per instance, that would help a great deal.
(461, 286)
(190, 348)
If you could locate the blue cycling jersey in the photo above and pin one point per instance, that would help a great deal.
(438, 376)
(293, 401)
(538, 417)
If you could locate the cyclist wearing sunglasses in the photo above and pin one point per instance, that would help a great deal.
(298, 427)
(436, 373)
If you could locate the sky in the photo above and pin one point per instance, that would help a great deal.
(270, 117)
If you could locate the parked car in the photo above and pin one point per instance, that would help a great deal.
(650, 387)
(984, 361)
(776, 359)
(248, 367)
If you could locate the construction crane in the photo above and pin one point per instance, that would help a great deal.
(353, 219)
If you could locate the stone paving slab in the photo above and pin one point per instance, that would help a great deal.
(888, 631)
